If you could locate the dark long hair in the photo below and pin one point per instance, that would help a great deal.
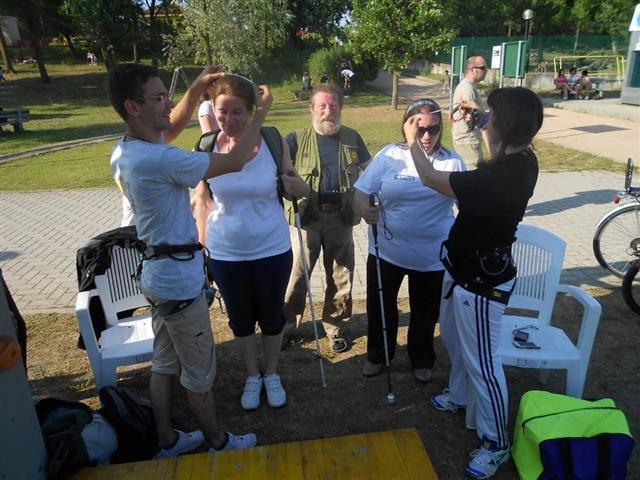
(516, 116)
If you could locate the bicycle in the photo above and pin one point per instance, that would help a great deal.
(617, 237)
(631, 288)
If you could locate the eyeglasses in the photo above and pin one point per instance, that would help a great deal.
(433, 130)
(481, 67)
(161, 98)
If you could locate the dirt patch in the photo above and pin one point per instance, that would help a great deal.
(351, 403)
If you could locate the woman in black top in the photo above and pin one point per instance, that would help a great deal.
(480, 273)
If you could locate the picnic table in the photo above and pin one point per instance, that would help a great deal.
(16, 118)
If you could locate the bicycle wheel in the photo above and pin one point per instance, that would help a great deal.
(631, 288)
(617, 239)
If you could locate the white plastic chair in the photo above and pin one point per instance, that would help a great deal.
(539, 255)
(126, 341)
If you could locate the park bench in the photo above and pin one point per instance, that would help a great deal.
(301, 94)
(15, 118)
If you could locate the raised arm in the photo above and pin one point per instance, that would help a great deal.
(183, 111)
(240, 154)
(430, 177)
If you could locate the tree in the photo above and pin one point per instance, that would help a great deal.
(316, 16)
(615, 16)
(400, 31)
(582, 13)
(6, 58)
(109, 24)
(236, 33)
(32, 15)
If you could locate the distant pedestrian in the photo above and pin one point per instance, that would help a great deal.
(447, 81)
(2, 74)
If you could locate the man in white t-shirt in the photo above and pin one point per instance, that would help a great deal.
(155, 178)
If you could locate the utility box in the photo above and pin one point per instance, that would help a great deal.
(631, 88)
(22, 451)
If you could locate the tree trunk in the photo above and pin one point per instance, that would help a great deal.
(44, 76)
(71, 45)
(575, 43)
(135, 53)
(614, 46)
(6, 58)
(394, 92)
(207, 48)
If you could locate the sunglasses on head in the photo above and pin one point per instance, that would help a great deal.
(433, 130)
(481, 67)
(420, 104)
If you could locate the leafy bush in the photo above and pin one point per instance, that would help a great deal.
(328, 60)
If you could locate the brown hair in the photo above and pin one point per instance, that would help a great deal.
(236, 86)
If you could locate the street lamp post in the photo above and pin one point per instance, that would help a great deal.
(527, 15)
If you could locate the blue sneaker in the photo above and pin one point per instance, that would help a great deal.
(444, 404)
(487, 459)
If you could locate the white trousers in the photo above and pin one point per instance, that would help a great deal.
(470, 327)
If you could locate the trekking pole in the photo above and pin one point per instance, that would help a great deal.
(373, 201)
(303, 254)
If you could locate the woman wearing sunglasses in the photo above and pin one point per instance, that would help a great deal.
(480, 271)
(413, 221)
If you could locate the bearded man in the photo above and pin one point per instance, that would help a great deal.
(329, 157)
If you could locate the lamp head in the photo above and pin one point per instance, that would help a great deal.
(527, 14)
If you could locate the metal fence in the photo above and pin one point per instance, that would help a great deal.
(601, 53)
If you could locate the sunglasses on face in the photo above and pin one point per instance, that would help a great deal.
(161, 97)
(433, 130)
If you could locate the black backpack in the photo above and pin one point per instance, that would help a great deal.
(132, 417)
(271, 137)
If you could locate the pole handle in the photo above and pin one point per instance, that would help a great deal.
(294, 200)
(373, 202)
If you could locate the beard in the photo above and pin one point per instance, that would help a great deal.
(326, 125)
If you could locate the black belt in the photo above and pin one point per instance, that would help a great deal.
(330, 207)
(163, 251)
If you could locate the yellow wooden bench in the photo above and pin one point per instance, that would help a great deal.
(397, 454)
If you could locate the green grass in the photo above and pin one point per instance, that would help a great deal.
(74, 106)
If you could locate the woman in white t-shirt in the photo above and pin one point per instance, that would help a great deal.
(414, 222)
(206, 115)
(241, 221)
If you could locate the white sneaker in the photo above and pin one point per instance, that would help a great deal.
(251, 396)
(276, 396)
(486, 460)
(237, 442)
(186, 442)
(444, 404)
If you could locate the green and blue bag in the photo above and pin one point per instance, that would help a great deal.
(559, 437)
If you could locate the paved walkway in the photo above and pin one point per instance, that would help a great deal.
(40, 231)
